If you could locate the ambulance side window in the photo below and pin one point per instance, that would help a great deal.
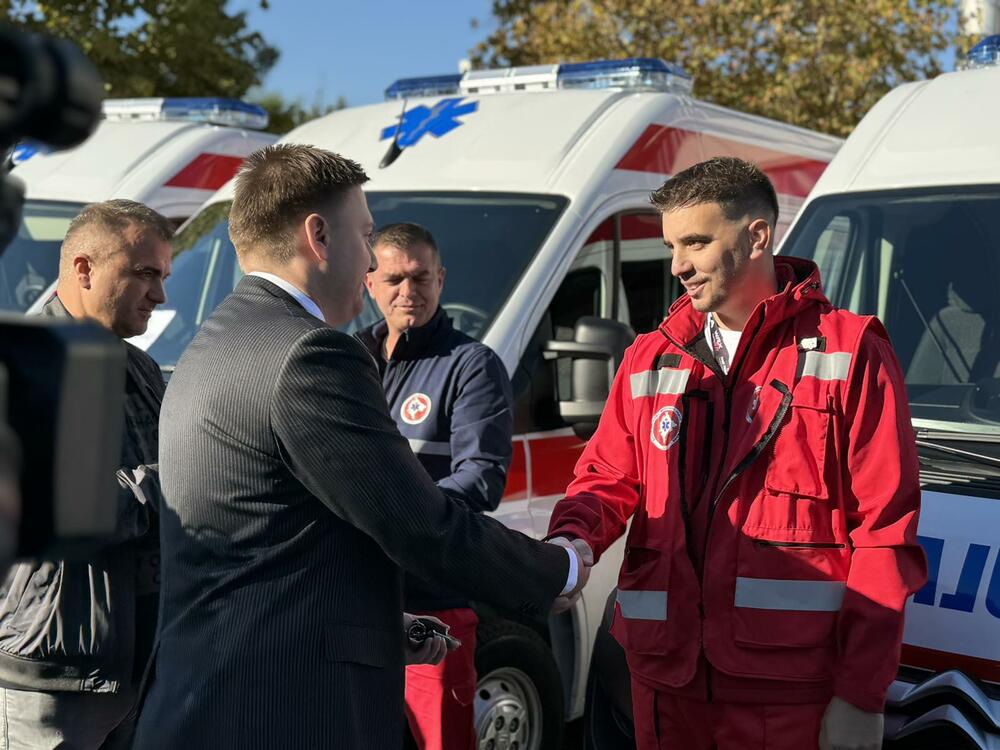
(645, 290)
(537, 381)
(647, 287)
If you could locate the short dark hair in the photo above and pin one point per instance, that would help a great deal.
(110, 217)
(739, 187)
(278, 186)
(405, 235)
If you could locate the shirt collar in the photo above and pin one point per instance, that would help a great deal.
(301, 297)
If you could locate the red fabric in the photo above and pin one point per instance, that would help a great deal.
(765, 460)
(667, 722)
(439, 697)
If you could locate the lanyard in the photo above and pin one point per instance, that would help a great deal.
(718, 345)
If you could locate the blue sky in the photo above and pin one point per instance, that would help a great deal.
(356, 49)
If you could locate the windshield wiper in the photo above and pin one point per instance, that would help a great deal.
(961, 454)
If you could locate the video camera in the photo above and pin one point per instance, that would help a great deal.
(61, 384)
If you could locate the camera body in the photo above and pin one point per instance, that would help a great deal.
(61, 384)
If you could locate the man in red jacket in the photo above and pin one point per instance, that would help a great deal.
(760, 443)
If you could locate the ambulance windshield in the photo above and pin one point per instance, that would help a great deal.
(486, 240)
(31, 262)
(927, 262)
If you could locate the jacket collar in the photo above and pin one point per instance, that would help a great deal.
(54, 308)
(414, 342)
(799, 287)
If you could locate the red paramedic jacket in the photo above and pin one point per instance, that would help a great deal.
(774, 510)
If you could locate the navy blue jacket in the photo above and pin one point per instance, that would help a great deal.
(451, 398)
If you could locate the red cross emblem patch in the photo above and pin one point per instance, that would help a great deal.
(415, 408)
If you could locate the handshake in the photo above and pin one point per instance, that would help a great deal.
(584, 562)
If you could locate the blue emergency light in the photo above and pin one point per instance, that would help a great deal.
(985, 54)
(632, 73)
(637, 73)
(215, 111)
(406, 88)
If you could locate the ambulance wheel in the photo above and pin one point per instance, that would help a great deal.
(519, 697)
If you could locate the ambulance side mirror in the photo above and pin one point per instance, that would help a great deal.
(596, 351)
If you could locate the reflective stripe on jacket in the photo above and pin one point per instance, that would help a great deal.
(774, 510)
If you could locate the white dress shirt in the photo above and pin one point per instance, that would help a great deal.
(301, 297)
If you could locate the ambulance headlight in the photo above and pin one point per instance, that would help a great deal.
(643, 73)
(215, 111)
(985, 54)
(409, 88)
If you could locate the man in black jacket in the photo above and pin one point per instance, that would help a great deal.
(75, 636)
(292, 501)
(451, 399)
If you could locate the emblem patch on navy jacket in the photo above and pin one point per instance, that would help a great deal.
(416, 408)
(666, 427)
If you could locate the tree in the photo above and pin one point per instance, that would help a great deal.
(284, 116)
(155, 47)
(821, 64)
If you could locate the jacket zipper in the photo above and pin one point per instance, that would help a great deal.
(798, 545)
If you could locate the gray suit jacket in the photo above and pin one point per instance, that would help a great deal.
(291, 504)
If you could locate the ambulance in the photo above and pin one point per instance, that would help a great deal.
(171, 154)
(535, 182)
(905, 224)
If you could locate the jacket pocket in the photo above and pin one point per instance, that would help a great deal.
(642, 601)
(788, 590)
(798, 464)
(359, 644)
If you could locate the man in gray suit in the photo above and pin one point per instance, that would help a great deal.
(292, 502)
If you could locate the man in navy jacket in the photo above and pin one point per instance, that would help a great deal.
(451, 398)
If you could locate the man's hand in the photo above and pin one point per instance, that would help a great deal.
(585, 560)
(431, 651)
(846, 727)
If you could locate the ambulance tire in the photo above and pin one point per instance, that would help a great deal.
(604, 726)
(517, 680)
(607, 710)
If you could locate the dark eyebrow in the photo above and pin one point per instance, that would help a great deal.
(400, 276)
(691, 239)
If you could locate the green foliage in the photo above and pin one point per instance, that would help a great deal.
(284, 116)
(156, 47)
(817, 63)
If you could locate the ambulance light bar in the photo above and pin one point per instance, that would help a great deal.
(647, 73)
(639, 73)
(406, 88)
(192, 109)
(985, 54)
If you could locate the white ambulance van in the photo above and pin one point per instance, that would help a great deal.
(535, 182)
(171, 154)
(905, 224)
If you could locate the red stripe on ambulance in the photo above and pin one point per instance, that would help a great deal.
(546, 468)
(517, 474)
(665, 150)
(206, 172)
(940, 661)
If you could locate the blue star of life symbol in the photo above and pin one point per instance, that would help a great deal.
(667, 426)
(25, 150)
(437, 121)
